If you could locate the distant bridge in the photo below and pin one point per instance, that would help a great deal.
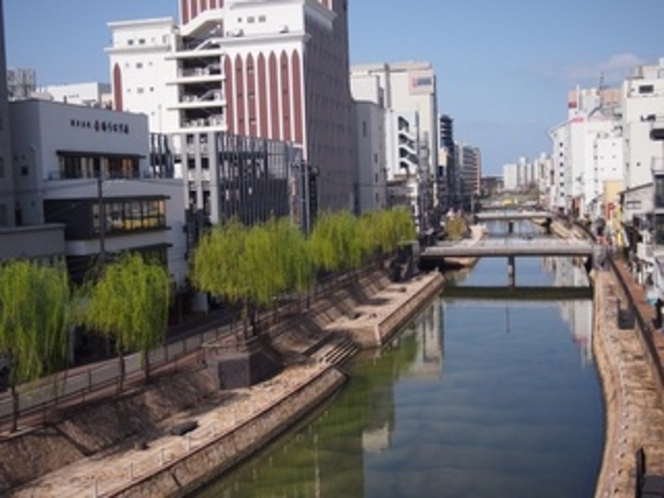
(510, 214)
(509, 247)
(519, 293)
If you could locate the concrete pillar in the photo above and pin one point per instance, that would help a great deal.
(511, 271)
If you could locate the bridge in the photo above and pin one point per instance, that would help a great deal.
(531, 293)
(510, 214)
(511, 248)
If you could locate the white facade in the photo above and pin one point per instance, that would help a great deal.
(510, 177)
(47, 135)
(372, 177)
(141, 72)
(274, 70)
(643, 95)
(409, 88)
(90, 94)
(371, 131)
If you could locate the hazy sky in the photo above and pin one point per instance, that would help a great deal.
(503, 66)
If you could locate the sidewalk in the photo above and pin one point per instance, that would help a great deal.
(110, 471)
(634, 411)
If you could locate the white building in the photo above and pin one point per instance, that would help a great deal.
(91, 94)
(409, 89)
(643, 103)
(59, 150)
(271, 70)
(142, 73)
(370, 124)
(510, 177)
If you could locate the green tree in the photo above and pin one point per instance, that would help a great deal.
(129, 303)
(335, 243)
(34, 319)
(251, 266)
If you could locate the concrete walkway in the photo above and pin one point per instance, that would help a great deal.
(102, 474)
(109, 472)
(635, 416)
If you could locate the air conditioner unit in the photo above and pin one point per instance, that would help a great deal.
(238, 32)
(283, 28)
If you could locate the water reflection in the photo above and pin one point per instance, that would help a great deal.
(474, 398)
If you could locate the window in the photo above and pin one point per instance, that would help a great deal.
(130, 42)
(130, 215)
(139, 90)
(364, 128)
(2, 167)
(659, 229)
(25, 171)
(261, 19)
(141, 41)
(3, 215)
(646, 88)
(251, 19)
(139, 65)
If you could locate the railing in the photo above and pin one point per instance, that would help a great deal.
(41, 398)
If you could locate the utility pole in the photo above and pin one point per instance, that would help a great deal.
(102, 216)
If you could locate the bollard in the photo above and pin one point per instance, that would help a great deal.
(188, 441)
(130, 471)
(161, 457)
(95, 489)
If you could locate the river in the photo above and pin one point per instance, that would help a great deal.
(474, 398)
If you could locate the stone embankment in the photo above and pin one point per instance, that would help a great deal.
(634, 411)
(233, 424)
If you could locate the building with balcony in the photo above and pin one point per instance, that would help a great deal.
(409, 88)
(277, 71)
(447, 166)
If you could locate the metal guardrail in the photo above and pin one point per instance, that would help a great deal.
(78, 385)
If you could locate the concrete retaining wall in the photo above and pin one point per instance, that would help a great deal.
(178, 477)
(612, 395)
(389, 326)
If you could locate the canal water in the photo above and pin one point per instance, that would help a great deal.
(475, 397)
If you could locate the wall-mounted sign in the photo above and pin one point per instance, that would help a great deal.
(422, 82)
(100, 126)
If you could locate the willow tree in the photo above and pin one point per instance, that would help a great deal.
(251, 266)
(335, 243)
(34, 313)
(129, 303)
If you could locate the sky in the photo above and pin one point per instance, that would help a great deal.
(503, 68)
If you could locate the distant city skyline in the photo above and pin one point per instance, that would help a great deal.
(503, 73)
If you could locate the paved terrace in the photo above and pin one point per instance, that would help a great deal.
(111, 472)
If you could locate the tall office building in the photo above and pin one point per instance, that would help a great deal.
(274, 70)
(447, 160)
(7, 200)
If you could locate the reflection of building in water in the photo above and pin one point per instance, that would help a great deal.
(428, 329)
(578, 314)
(568, 272)
(376, 439)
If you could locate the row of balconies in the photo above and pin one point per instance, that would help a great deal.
(209, 96)
(214, 120)
(213, 69)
